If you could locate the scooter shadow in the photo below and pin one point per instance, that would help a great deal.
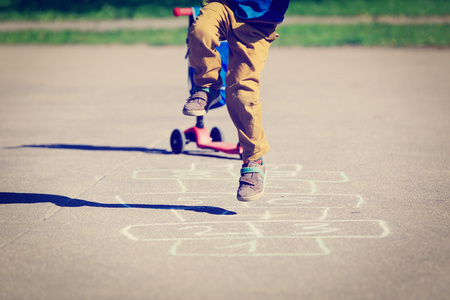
(203, 153)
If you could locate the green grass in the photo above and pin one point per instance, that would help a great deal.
(149, 36)
(369, 7)
(365, 35)
(114, 9)
(290, 35)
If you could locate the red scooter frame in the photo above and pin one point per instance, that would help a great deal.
(199, 134)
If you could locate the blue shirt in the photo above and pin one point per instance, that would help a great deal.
(271, 11)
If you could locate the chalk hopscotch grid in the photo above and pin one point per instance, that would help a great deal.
(219, 242)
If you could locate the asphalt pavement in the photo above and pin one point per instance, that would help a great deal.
(93, 204)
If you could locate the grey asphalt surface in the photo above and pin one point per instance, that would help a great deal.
(94, 206)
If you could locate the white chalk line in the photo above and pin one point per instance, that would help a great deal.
(120, 200)
(178, 215)
(283, 176)
(251, 251)
(260, 221)
(381, 223)
(266, 214)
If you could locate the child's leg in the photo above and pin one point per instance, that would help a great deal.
(249, 46)
(204, 36)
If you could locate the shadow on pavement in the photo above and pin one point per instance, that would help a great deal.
(124, 149)
(62, 201)
(203, 154)
(96, 148)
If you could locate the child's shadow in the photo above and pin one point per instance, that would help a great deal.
(24, 198)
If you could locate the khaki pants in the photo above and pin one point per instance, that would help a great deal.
(248, 48)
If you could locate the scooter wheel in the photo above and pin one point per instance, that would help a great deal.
(216, 135)
(177, 141)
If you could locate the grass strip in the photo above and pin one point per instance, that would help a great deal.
(117, 9)
(369, 7)
(306, 35)
(374, 34)
(150, 36)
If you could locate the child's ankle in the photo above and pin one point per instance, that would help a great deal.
(258, 161)
(212, 93)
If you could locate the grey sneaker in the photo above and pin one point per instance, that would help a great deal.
(199, 102)
(251, 183)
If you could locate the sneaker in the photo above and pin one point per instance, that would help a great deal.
(251, 183)
(199, 102)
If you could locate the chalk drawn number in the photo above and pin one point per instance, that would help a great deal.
(206, 231)
(252, 246)
(202, 231)
(314, 228)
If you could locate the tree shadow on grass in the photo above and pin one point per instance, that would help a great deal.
(62, 201)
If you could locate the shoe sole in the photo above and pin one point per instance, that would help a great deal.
(250, 198)
(198, 113)
(194, 113)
